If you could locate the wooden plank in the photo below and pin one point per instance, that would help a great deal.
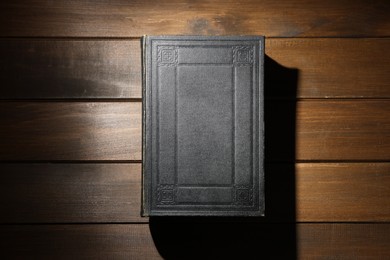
(324, 130)
(196, 241)
(308, 130)
(328, 68)
(343, 192)
(37, 69)
(303, 68)
(343, 130)
(93, 193)
(327, 192)
(343, 241)
(70, 193)
(70, 131)
(77, 242)
(121, 18)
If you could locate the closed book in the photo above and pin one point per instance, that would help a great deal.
(203, 126)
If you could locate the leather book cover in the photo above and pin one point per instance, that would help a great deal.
(203, 126)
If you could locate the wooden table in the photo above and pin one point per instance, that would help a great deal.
(70, 130)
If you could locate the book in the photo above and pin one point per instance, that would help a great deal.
(203, 126)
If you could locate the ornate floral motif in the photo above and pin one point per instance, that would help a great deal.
(243, 55)
(167, 56)
(243, 195)
(165, 194)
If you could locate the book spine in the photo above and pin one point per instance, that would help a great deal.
(262, 127)
(145, 186)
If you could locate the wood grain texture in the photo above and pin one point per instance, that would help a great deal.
(89, 198)
(325, 130)
(70, 131)
(77, 242)
(196, 241)
(121, 18)
(333, 68)
(343, 192)
(70, 193)
(343, 241)
(111, 193)
(343, 130)
(38, 68)
(77, 69)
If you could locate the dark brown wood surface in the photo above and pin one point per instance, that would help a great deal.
(70, 130)
(50, 131)
(108, 69)
(120, 18)
(336, 68)
(342, 192)
(343, 241)
(248, 240)
(70, 193)
(111, 193)
(343, 130)
(106, 241)
(65, 68)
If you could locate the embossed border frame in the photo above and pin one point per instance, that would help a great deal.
(147, 163)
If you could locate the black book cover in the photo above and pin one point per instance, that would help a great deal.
(203, 126)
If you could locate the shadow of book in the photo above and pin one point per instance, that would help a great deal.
(269, 237)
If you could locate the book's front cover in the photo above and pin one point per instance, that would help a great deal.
(203, 136)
